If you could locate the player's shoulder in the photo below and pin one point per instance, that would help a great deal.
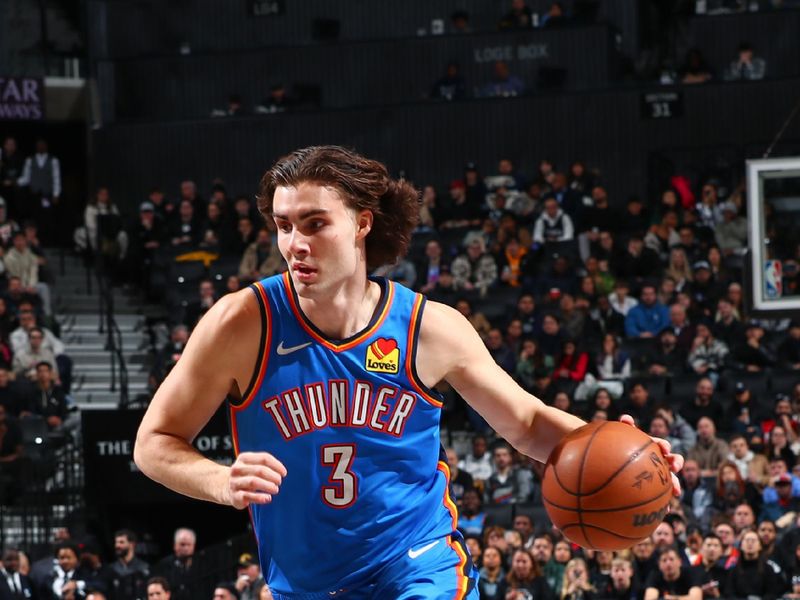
(232, 313)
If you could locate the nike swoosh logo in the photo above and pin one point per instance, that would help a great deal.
(415, 553)
(284, 351)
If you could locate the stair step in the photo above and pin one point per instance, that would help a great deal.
(105, 386)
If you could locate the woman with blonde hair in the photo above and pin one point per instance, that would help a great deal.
(576, 584)
(679, 269)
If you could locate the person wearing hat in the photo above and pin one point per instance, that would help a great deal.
(249, 580)
(753, 355)
(779, 500)
(145, 236)
(731, 234)
(744, 414)
(458, 212)
(703, 289)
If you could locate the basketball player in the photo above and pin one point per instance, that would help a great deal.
(329, 376)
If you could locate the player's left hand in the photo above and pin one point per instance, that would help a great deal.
(675, 460)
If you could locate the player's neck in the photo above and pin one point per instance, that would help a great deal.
(346, 310)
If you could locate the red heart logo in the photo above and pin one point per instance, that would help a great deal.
(382, 346)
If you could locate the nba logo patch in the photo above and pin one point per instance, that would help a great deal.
(383, 356)
(773, 279)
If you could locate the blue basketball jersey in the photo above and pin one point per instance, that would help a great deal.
(359, 436)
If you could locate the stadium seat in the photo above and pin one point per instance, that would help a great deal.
(757, 383)
(681, 388)
(781, 381)
(501, 515)
(656, 386)
(541, 522)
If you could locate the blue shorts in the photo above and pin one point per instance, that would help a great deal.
(439, 569)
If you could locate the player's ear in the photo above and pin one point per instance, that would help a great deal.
(363, 223)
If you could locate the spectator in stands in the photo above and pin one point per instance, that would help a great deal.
(752, 467)
(103, 227)
(612, 363)
(679, 269)
(158, 589)
(182, 568)
(788, 355)
(460, 481)
(402, 271)
(713, 574)
(731, 234)
(576, 583)
(639, 405)
(679, 431)
(672, 579)
(476, 269)
(778, 445)
(460, 212)
(249, 580)
(638, 263)
(146, 236)
(708, 355)
(11, 451)
(185, 230)
(702, 405)
(518, 18)
(215, 230)
(26, 359)
(8, 227)
(21, 262)
(753, 355)
(553, 226)
(694, 68)
(130, 572)
(780, 499)
(747, 65)
(61, 581)
(728, 328)
(648, 318)
(13, 583)
(261, 258)
(492, 575)
(679, 325)
(98, 577)
(41, 174)
(508, 484)
(525, 575)
(235, 108)
(429, 267)
(225, 591)
(667, 358)
(503, 83)
(478, 463)
(471, 518)
(710, 451)
(768, 534)
(604, 320)
(572, 363)
(644, 560)
(277, 101)
(663, 236)
(621, 584)
(753, 576)
(50, 401)
(445, 290)
(11, 166)
(451, 86)
(619, 299)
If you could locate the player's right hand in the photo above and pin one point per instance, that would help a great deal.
(254, 478)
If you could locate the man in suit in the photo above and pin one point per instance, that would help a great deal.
(13, 584)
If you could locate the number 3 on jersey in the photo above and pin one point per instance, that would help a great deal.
(344, 489)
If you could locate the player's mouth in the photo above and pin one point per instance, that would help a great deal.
(303, 272)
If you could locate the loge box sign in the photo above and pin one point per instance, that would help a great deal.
(21, 99)
(266, 8)
(111, 474)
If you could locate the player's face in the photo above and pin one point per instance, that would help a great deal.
(320, 237)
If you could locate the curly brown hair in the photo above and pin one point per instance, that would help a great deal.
(363, 184)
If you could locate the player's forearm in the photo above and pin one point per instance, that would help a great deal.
(548, 427)
(176, 464)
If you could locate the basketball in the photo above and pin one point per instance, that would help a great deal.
(606, 486)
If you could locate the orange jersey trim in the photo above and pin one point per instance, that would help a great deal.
(264, 358)
(411, 355)
(462, 582)
(321, 340)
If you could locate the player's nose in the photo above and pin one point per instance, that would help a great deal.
(298, 243)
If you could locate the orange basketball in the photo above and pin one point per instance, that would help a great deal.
(606, 486)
